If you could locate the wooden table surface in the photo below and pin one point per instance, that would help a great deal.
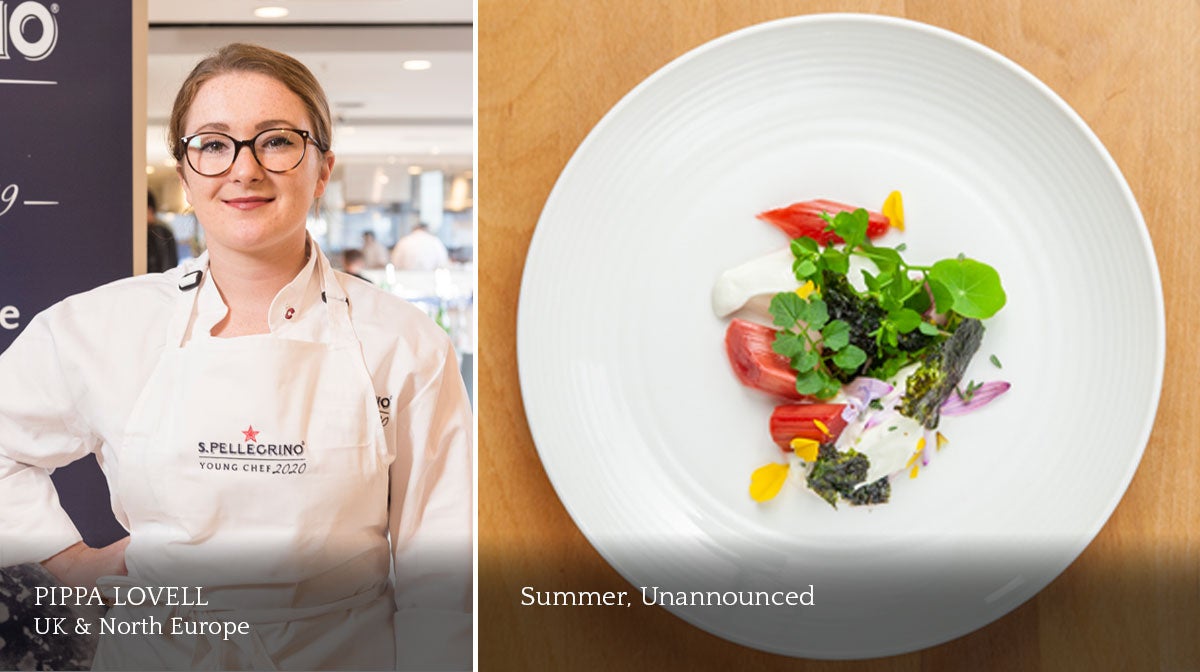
(549, 70)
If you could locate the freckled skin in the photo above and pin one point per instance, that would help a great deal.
(241, 104)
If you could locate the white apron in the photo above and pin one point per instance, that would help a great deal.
(256, 467)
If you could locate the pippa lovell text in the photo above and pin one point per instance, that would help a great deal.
(136, 596)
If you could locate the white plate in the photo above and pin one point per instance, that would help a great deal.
(650, 441)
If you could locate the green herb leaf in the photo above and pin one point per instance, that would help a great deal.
(809, 382)
(886, 259)
(850, 358)
(927, 328)
(995, 361)
(804, 269)
(870, 281)
(789, 344)
(817, 314)
(836, 261)
(905, 320)
(806, 360)
(836, 334)
(973, 286)
(787, 308)
(802, 247)
(852, 227)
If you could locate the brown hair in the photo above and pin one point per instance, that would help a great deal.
(240, 57)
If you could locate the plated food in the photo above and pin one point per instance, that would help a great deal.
(648, 438)
(867, 350)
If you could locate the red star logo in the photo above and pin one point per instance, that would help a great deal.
(250, 433)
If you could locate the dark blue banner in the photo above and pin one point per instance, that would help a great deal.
(66, 152)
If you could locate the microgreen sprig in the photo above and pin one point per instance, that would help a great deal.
(813, 343)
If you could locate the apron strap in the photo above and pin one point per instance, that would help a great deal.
(337, 304)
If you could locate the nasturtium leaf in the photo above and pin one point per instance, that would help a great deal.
(927, 328)
(787, 308)
(973, 286)
(836, 334)
(943, 301)
(767, 481)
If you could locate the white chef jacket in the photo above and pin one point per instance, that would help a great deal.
(69, 381)
(420, 251)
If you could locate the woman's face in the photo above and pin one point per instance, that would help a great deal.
(248, 209)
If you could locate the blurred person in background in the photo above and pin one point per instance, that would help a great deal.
(375, 255)
(161, 252)
(353, 262)
(420, 250)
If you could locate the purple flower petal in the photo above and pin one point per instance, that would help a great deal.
(984, 394)
(860, 392)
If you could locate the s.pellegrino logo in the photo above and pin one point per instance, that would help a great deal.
(20, 35)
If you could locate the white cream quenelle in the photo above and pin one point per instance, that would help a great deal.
(758, 279)
(752, 284)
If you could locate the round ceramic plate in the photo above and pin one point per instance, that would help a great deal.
(649, 439)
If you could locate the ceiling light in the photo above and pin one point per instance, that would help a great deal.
(414, 170)
(149, 170)
(271, 12)
(417, 64)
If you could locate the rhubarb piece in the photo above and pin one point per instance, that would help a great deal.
(755, 363)
(803, 220)
(819, 422)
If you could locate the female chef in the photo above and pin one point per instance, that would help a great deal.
(272, 431)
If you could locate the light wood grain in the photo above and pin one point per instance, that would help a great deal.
(549, 70)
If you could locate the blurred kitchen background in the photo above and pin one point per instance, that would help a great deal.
(399, 77)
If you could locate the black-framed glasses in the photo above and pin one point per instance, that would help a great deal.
(277, 150)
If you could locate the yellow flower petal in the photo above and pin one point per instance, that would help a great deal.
(821, 426)
(806, 289)
(941, 440)
(766, 481)
(893, 209)
(916, 468)
(806, 449)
